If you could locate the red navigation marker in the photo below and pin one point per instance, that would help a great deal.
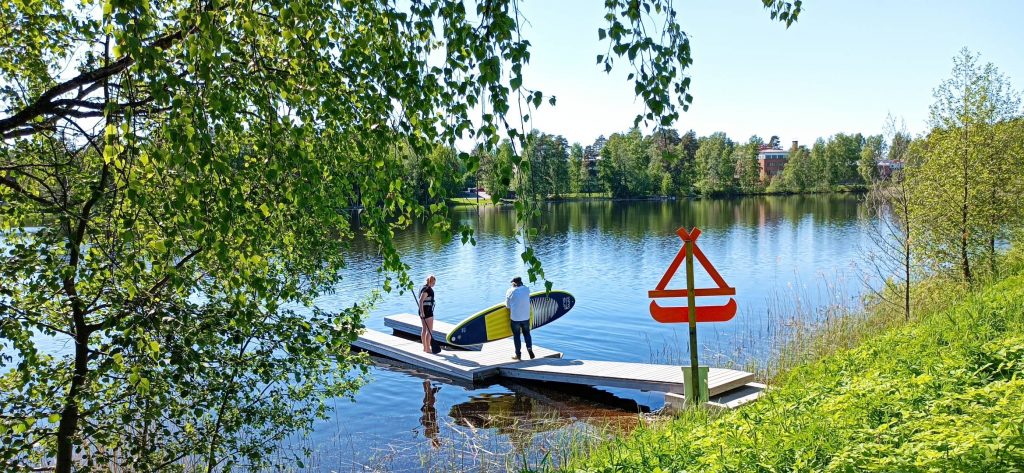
(716, 313)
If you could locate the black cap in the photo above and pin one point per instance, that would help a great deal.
(518, 281)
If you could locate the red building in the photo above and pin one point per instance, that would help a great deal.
(887, 167)
(772, 160)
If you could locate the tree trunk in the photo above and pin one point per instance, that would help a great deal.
(965, 263)
(992, 254)
(68, 426)
(906, 264)
(69, 415)
(964, 230)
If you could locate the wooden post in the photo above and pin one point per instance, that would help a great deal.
(691, 302)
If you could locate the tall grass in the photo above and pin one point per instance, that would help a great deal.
(797, 324)
(867, 392)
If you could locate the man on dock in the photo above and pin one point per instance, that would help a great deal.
(517, 299)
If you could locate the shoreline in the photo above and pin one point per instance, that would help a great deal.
(471, 202)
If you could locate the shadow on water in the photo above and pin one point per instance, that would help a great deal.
(538, 407)
(532, 400)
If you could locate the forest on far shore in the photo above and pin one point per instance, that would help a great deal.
(664, 163)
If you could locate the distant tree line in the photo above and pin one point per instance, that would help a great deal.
(665, 163)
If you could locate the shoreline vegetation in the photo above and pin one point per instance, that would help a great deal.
(663, 164)
(606, 196)
(939, 392)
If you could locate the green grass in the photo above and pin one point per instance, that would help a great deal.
(585, 195)
(469, 201)
(943, 392)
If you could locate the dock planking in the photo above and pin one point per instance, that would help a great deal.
(462, 364)
(494, 359)
(646, 377)
(410, 324)
(731, 399)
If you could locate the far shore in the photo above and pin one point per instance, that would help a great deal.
(605, 196)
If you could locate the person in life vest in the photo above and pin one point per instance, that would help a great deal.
(517, 299)
(426, 303)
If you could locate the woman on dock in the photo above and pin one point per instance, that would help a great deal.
(426, 303)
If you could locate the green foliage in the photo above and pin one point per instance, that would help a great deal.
(198, 170)
(495, 170)
(544, 169)
(715, 165)
(841, 154)
(870, 154)
(799, 173)
(578, 172)
(672, 161)
(942, 393)
(624, 166)
(965, 175)
(899, 147)
(434, 174)
(748, 171)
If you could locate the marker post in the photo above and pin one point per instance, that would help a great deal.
(694, 390)
(694, 379)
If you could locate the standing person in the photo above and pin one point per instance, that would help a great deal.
(517, 299)
(427, 313)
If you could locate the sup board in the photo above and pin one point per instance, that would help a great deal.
(493, 323)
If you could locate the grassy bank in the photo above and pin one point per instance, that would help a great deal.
(942, 392)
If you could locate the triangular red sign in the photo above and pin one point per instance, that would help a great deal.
(719, 313)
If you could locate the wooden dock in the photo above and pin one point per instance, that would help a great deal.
(732, 399)
(467, 365)
(494, 359)
(642, 376)
(410, 324)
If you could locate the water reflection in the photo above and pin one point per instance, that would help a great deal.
(541, 407)
(638, 219)
(429, 417)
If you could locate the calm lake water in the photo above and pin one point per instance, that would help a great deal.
(785, 256)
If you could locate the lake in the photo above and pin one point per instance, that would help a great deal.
(787, 256)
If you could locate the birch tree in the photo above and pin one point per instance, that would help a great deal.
(965, 189)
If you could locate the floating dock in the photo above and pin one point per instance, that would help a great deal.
(642, 376)
(727, 388)
(467, 365)
(410, 324)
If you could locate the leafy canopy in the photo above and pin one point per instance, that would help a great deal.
(179, 183)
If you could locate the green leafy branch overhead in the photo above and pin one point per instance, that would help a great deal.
(180, 181)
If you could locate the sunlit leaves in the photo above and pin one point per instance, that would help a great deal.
(964, 178)
(195, 173)
(647, 34)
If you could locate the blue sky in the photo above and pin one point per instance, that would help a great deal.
(842, 68)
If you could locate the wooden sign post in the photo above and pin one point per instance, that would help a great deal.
(696, 389)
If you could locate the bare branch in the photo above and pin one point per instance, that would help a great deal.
(86, 81)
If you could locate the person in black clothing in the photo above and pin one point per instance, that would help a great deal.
(426, 303)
